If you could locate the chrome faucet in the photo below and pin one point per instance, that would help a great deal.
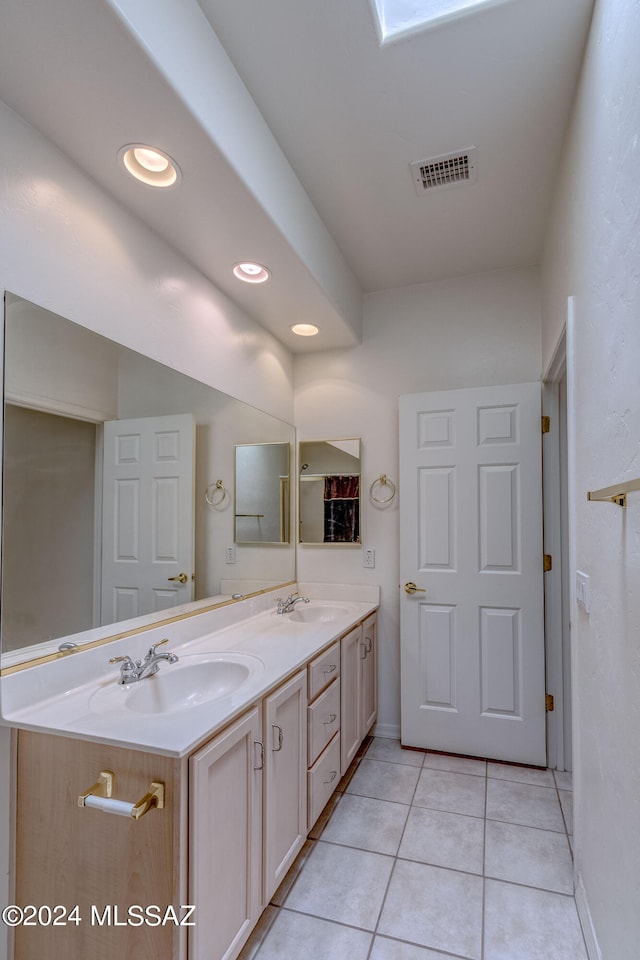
(133, 670)
(286, 606)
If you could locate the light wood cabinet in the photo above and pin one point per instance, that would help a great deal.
(285, 780)
(69, 855)
(225, 839)
(350, 723)
(359, 703)
(368, 676)
(324, 721)
(324, 777)
(248, 818)
(323, 669)
(237, 812)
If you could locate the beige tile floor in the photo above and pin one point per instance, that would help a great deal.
(422, 856)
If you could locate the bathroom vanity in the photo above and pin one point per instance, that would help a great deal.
(244, 775)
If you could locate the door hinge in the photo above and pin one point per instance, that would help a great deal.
(547, 562)
(546, 424)
(549, 703)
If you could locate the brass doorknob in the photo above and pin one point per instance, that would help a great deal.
(411, 588)
(181, 578)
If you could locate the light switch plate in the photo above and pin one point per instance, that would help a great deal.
(369, 558)
(583, 591)
(231, 554)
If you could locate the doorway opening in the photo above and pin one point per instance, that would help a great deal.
(556, 544)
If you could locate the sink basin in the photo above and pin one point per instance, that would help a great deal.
(193, 680)
(318, 612)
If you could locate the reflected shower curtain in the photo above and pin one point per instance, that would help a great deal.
(341, 509)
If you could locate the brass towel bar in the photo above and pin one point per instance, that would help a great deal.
(100, 795)
(616, 493)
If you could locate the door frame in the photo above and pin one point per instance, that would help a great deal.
(556, 584)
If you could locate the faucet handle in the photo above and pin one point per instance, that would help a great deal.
(129, 668)
(152, 648)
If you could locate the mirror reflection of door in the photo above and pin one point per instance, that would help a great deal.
(147, 515)
(262, 493)
(329, 491)
(52, 502)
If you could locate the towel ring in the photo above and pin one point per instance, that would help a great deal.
(212, 491)
(382, 481)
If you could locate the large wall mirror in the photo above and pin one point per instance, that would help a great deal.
(118, 489)
(329, 491)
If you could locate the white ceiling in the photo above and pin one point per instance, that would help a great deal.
(344, 119)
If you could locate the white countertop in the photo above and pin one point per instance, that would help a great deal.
(57, 697)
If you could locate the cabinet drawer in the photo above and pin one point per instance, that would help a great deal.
(323, 778)
(323, 670)
(323, 720)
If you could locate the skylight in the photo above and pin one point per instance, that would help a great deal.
(400, 17)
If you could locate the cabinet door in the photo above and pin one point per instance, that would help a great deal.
(350, 697)
(285, 795)
(225, 839)
(368, 676)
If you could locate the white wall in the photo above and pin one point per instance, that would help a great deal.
(479, 330)
(68, 247)
(593, 254)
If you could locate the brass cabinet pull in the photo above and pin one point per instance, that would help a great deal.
(181, 578)
(411, 588)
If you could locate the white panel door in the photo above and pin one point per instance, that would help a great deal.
(147, 515)
(472, 644)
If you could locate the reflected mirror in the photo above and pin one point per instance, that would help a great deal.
(262, 493)
(329, 491)
(109, 464)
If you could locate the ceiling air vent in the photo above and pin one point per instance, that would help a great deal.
(445, 171)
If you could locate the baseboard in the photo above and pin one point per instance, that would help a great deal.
(582, 905)
(389, 731)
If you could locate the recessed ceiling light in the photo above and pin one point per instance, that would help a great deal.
(150, 165)
(305, 329)
(251, 272)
